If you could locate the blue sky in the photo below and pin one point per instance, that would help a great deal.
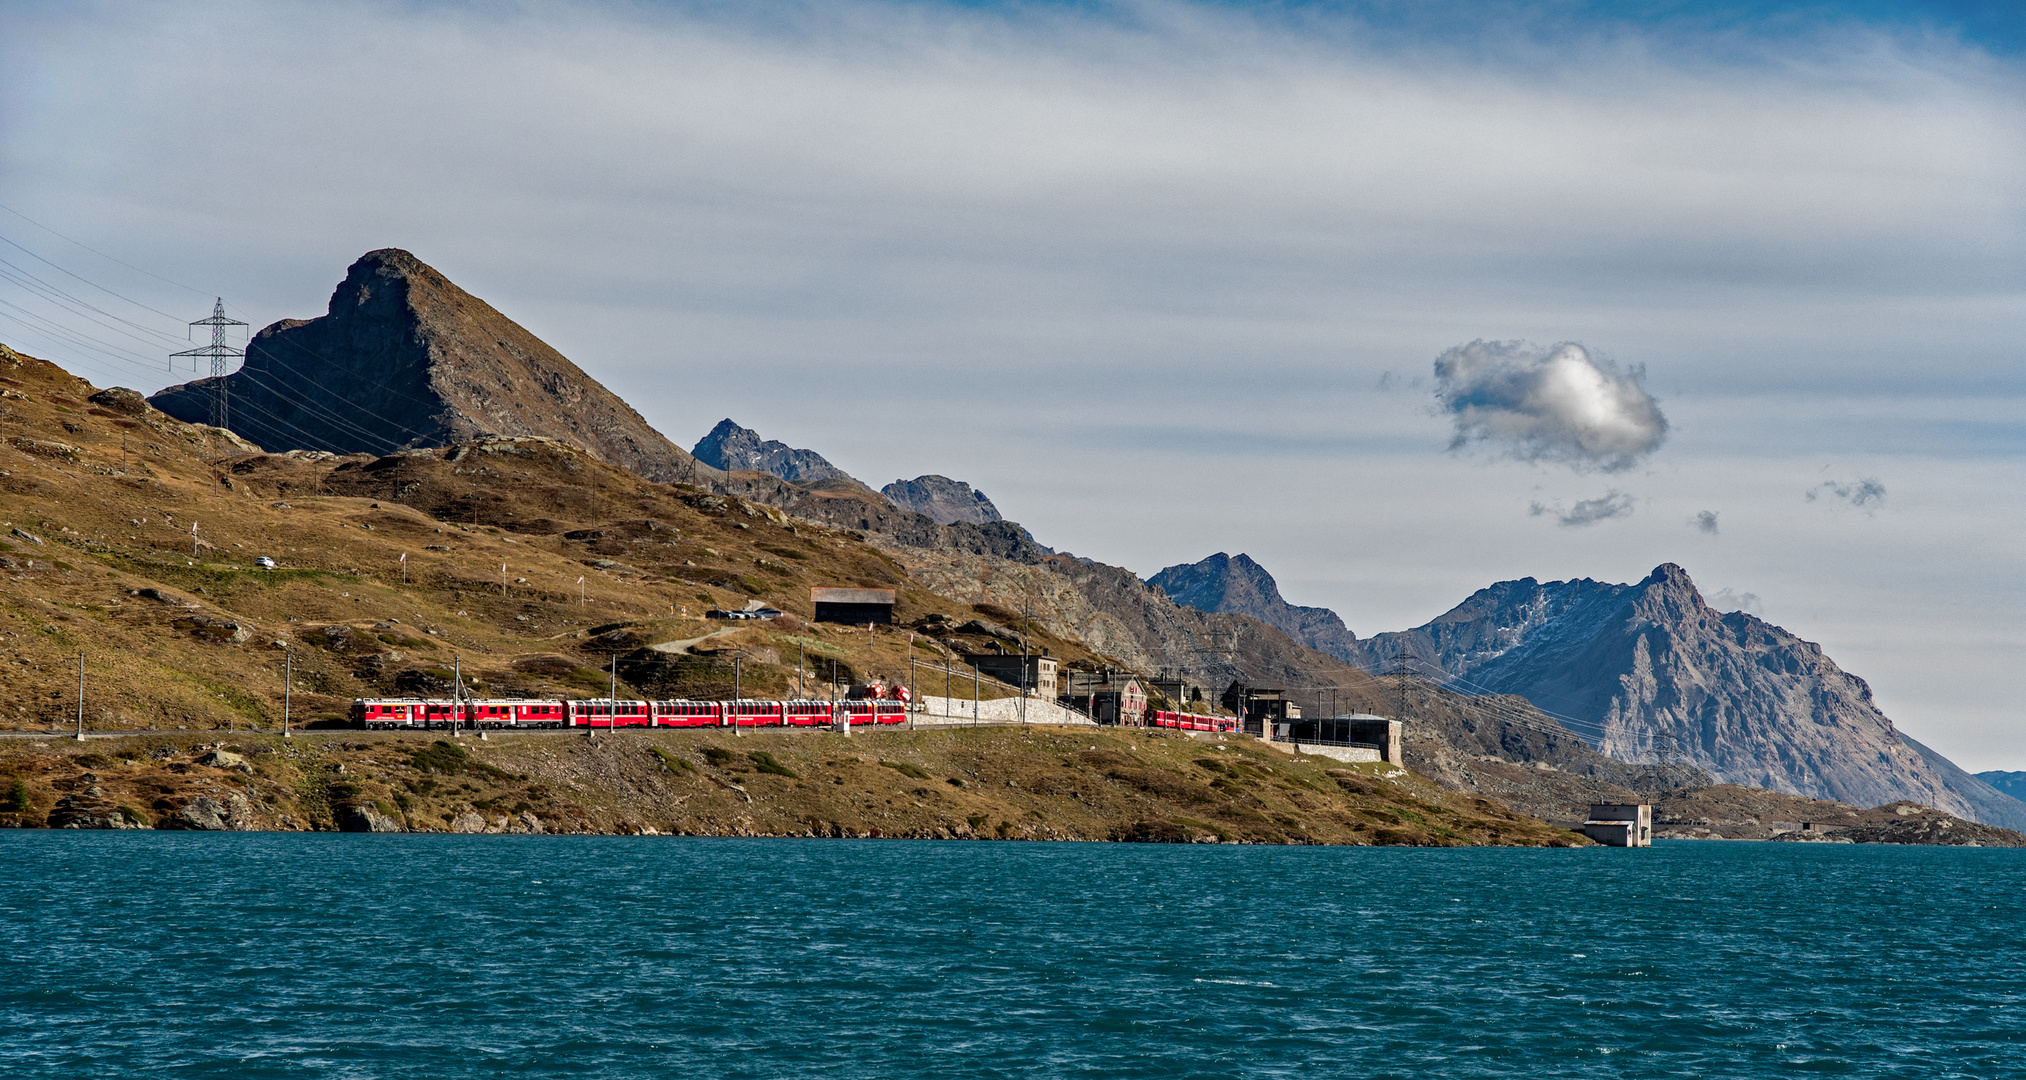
(1167, 279)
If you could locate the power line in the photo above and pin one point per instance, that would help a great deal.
(104, 256)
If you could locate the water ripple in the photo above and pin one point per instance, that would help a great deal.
(445, 957)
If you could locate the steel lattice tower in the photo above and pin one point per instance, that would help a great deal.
(219, 352)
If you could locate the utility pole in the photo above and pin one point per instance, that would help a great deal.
(80, 695)
(456, 693)
(1401, 673)
(287, 685)
(611, 711)
(738, 688)
(219, 352)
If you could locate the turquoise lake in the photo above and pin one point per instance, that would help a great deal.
(268, 955)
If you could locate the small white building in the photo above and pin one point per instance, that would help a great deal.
(1620, 824)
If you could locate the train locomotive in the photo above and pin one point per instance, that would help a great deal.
(422, 714)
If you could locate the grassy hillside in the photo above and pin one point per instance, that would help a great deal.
(180, 631)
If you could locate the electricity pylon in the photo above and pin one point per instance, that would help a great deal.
(219, 352)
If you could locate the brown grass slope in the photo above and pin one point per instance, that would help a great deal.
(97, 501)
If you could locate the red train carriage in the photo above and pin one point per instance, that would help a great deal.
(805, 713)
(747, 713)
(607, 713)
(688, 713)
(514, 713)
(382, 713)
(1193, 722)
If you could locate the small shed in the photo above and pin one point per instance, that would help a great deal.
(855, 607)
(1620, 824)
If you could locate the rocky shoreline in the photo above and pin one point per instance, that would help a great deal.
(1008, 782)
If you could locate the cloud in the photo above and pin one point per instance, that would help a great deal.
(1867, 492)
(1611, 504)
(1706, 521)
(1561, 404)
(1728, 600)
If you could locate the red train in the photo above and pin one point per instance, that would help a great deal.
(428, 713)
(1191, 721)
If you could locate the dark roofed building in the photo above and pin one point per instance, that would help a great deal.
(854, 606)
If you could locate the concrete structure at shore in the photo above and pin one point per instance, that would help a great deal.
(1620, 824)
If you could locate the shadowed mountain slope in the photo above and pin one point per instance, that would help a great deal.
(406, 359)
(1646, 669)
(1240, 586)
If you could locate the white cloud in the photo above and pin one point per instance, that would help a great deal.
(1705, 522)
(1730, 600)
(1561, 404)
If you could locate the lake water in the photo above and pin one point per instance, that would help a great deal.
(207, 955)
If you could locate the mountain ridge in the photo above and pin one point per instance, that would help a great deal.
(403, 358)
(734, 448)
(1648, 669)
(1238, 585)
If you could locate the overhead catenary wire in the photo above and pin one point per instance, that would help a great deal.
(108, 258)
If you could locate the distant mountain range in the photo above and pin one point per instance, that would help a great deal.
(1644, 672)
(404, 359)
(942, 499)
(2011, 783)
(739, 449)
(1240, 586)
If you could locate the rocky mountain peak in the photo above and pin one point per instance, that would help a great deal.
(945, 500)
(1649, 671)
(402, 359)
(1223, 584)
(733, 448)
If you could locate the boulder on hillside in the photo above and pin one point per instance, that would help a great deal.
(120, 400)
(215, 630)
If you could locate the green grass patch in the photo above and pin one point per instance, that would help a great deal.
(675, 762)
(906, 769)
(448, 758)
(15, 798)
(766, 763)
(718, 755)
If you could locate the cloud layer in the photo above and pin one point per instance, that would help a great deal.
(1560, 404)
(1866, 493)
(1611, 504)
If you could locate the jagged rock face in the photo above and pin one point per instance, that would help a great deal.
(738, 449)
(945, 500)
(1240, 586)
(1634, 666)
(406, 359)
